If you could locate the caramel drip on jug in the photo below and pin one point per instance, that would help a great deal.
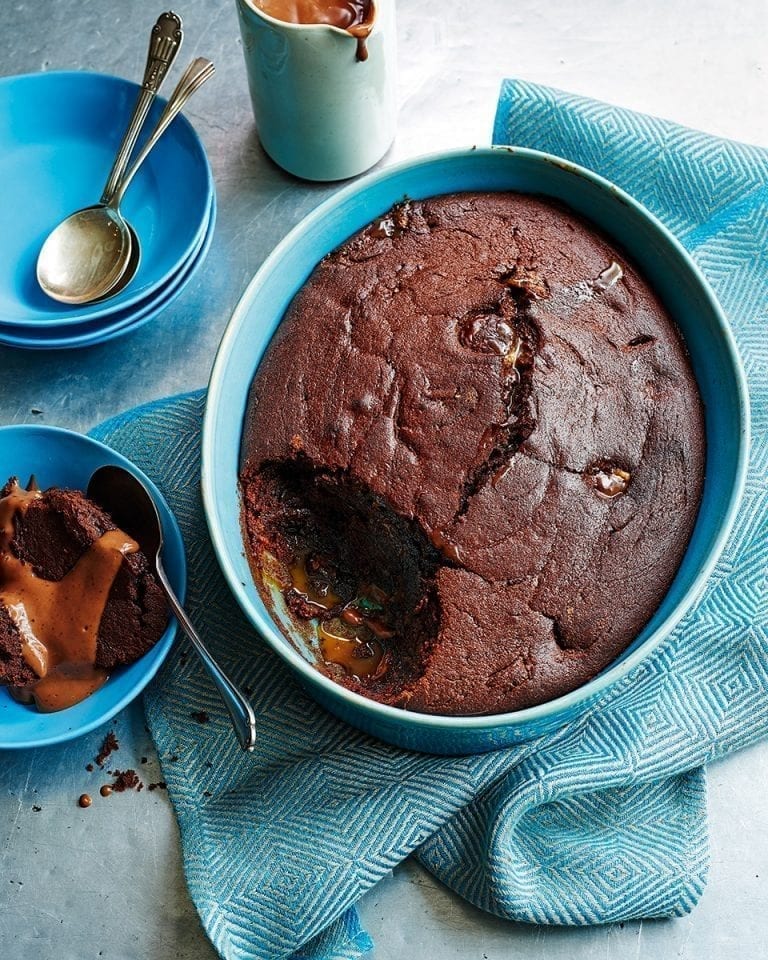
(58, 621)
(354, 16)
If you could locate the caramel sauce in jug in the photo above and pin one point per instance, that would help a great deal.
(354, 16)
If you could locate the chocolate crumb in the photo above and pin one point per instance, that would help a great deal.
(89, 767)
(37, 809)
(207, 793)
(173, 758)
(200, 716)
(160, 785)
(108, 747)
(143, 760)
(84, 800)
(126, 780)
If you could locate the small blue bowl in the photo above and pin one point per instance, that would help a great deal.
(672, 274)
(95, 332)
(62, 458)
(59, 133)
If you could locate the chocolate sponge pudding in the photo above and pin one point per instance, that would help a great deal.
(473, 456)
(77, 596)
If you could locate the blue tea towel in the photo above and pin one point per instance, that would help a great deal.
(603, 822)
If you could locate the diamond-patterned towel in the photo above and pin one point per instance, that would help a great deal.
(604, 822)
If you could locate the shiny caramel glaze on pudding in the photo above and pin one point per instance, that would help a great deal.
(473, 456)
(77, 596)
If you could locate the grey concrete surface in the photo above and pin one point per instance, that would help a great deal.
(107, 881)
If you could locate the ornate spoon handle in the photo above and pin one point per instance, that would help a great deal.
(193, 77)
(164, 44)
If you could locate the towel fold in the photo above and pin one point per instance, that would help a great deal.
(604, 821)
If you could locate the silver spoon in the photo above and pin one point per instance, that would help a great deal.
(87, 255)
(130, 504)
(130, 270)
(74, 260)
(172, 108)
(164, 44)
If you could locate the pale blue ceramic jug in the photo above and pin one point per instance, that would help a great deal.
(321, 112)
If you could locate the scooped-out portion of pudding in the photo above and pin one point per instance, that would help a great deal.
(473, 456)
(77, 596)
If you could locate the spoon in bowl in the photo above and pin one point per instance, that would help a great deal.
(130, 270)
(131, 506)
(87, 256)
(82, 246)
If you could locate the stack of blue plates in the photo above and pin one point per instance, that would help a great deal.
(59, 133)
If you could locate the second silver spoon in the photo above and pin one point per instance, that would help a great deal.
(87, 256)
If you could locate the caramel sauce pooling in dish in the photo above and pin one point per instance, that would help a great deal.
(352, 638)
(354, 16)
(360, 659)
(58, 621)
(323, 598)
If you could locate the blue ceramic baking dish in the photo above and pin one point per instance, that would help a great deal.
(673, 275)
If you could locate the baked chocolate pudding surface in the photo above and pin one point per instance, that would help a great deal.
(474, 454)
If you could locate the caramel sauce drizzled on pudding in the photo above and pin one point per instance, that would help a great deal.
(54, 597)
(58, 621)
(354, 16)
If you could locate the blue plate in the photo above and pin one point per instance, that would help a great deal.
(65, 459)
(58, 136)
(678, 282)
(98, 332)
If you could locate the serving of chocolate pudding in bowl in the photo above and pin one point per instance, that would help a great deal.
(77, 597)
(84, 624)
(490, 455)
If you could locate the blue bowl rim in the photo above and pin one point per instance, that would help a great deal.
(612, 674)
(158, 303)
(165, 642)
(108, 308)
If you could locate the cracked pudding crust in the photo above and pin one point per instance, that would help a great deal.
(473, 455)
